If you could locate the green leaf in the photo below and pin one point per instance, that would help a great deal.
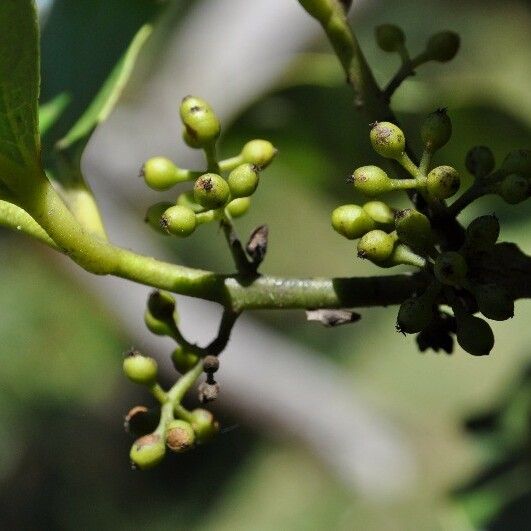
(51, 111)
(19, 83)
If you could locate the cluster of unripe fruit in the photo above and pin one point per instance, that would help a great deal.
(213, 196)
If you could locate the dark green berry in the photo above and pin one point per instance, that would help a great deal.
(436, 130)
(390, 38)
(243, 180)
(160, 173)
(180, 436)
(518, 161)
(376, 246)
(450, 268)
(415, 314)
(351, 221)
(413, 228)
(388, 140)
(204, 425)
(258, 152)
(443, 46)
(443, 182)
(513, 189)
(380, 212)
(482, 233)
(371, 180)
(480, 161)
(147, 451)
(202, 126)
(179, 220)
(154, 215)
(474, 335)
(183, 360)
(494, 302)
(140, 369)
(238, 207)
(211, 191)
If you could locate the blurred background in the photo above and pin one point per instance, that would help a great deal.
(341, 429)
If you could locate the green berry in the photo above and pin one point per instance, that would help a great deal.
(179, 220)
(436, 130)
(482, 233)
(371, 180)
(211, 191)
(238, 207)
(443, 46)
(180, 436)
(148, 451)
(160, 173)
(154, 214)
(413, 228)
(204, 425)
(450, 268)
(260, 153)
(376, 246)
(480, 161)
(474, 335)
(443, 182)
(513, 189)
(351, 221)
(202, 126)
(390, 38)
(187, 199)
(388, 140)
(415, 314)
(183, 360)
(140, 369)
(494, 302)
(379, 212)
(243, 180)
(518, 161)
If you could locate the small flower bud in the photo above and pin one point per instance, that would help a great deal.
(494, 302)
(388, 140)
(436, 130)
(518, 161)
(183, 360)
(154, 214)
(380, 212)
(180, 436)
(513, 189)
(474, 335)
(376, 246)
(351, 221)
(211, 364)
(208, 392)
(443, 182)
(238, 207)
(211, 191)
(260, 153)
(371, 180)
(148, 451)
(414, 229)
(201, 124)
(160, 173)
(140, 369)
(482, 233)
(204, 425)
(443, 46)
(390, 38)
(480, 161)
(243, 180)
(179, 221)
(450, 268)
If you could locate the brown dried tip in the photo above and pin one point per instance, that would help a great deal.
(140, 420)
(257, 245)
(210, 364)
(208, 392)
(330, 318)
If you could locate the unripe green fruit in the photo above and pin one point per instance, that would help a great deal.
(160, 173)
(379, 212)
(140, 369)
(204, 425)
(243, 180)
(202, 126)
(436, 130)
(154, 214)
(443, 182)
(474, 335)
(147, 451)
(376, 246)
(483, 232)
(388, 140)
(413, 228)
(371, 180)
(351, 221)
(156, 326)
(161, 304)
(180, 436)
(238, 207)
(450, 268)
(480, 161)
(513, 189)
(183, 360)
(187, 199)
(390, 38)
(415, 314)
(259, 153)
(494, 302)
(443, 46)
(211, 191)
(179, 220)
(518, 161)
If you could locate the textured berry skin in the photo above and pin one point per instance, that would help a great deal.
(238, 207)
(211, 191)
(450, 268)
(159, 173)
(351, 221)
(514, 189)
(443, 46)
(259, 153)
(180, 436)
(480, 161)
(148, 451)
(482, 233)
(243, 181)
(380, 212)
(388, 140)
(376, 246)
(413, 228)
(443, 182)
(140, 369)
(474, 335)
(179, 221)
(518, 161)
(436, 130)
(371, 180)
(204, 425)
(390, 38)
(202, 126)
(494, 302)
(211, 364)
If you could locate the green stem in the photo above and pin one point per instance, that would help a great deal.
(231, 163)
(183, 384)
(243, 264)
(159, 393)
(211, 157)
